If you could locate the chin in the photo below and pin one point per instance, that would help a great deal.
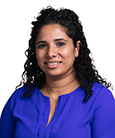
(54, 75)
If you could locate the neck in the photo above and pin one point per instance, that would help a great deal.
(60, 86)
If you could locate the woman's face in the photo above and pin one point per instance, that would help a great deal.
(55, 51)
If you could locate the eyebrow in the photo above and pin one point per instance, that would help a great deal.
(59, 39)
(40, 42)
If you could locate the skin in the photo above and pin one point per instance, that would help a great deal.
(55, 55)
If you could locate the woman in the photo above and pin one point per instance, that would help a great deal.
(63, 96)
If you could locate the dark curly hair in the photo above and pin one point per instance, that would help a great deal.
(86, 72)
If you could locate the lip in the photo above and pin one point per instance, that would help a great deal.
(52, 64)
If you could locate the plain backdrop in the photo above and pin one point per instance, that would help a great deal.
(98, 20)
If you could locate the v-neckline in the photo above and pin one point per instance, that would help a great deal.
(52, 110)
(65, 97)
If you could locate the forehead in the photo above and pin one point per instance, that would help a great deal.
(52, 30)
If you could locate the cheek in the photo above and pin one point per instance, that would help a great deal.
(39, 62)
(69, 53)
(70, 58)
(39, 57)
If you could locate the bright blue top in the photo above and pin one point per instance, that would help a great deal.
(27, 117)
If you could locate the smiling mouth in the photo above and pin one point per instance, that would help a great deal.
(52, 63)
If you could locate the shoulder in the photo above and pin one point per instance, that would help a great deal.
(17, 96)
(100, 90)
(20, 91)
(97, 86)
(102, 96)
(17, 99)
(9, 106)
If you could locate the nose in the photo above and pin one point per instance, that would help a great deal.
(52, 51)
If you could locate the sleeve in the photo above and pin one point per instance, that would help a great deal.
(7, 124)
(103, 124)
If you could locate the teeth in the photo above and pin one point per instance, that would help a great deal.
(53, 63)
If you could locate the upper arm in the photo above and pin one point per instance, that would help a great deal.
(103, 124)
(7, 124)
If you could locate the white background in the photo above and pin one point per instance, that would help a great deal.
(97, 17)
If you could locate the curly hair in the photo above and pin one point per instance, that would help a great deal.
(86, 72)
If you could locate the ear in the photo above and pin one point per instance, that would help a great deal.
(77, 48)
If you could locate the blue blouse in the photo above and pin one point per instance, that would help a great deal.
(27, 117)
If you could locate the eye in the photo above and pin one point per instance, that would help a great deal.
(60, 44)
(41, 46)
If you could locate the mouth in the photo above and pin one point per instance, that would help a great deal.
(52, 65)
